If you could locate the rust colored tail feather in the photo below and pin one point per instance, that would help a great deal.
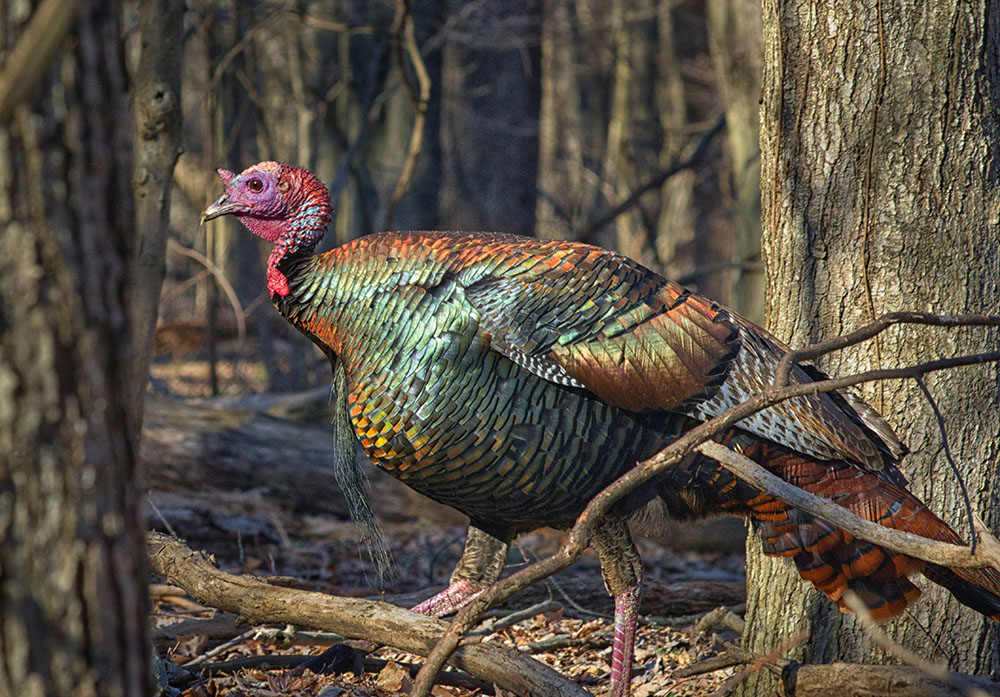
(830, 558)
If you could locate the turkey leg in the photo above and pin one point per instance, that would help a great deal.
(622, 570)
(480, 566)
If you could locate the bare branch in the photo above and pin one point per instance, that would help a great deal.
(240, 46)
(693, 160)
(405, 37)
(934, 670)
(941, 553)
(951, 461)
(34, 51)
(220, 278)
(870, 330)
(260, 603)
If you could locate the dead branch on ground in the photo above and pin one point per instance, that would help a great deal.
(259, 603)
(838, 679)
(935, 671)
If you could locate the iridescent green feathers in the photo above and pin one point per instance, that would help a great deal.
(580, 316)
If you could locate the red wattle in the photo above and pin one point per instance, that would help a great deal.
(276, 282)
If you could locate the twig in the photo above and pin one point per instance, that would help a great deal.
(727, 659)
(159, 514)
(221, 648)
(565, 641)
(405, 38)
(241, 45)
(34, 51)
(220, 278)
(951, 462)
(693, 160)
(820, 348)
(579, 534)
(515, 617)
(934, 670)
(941, 553)
(331, 25)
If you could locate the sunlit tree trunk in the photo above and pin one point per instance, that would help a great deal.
(73, 606)
(879, 134)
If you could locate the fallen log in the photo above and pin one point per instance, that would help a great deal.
(858, 680)
(373, 621)
(262, 445)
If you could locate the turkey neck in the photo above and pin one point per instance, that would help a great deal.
(341, 296)
(297, 236)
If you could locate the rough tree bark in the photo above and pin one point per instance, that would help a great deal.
(156, 105)
(72, 608)
(880, 193)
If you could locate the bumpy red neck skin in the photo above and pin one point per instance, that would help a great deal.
(299, 232)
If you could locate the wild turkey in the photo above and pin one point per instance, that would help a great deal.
(513, 378)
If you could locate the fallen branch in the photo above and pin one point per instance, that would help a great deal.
(259, 603)
(941, 553)
(838, 679)
(936, 671)
(454, 678)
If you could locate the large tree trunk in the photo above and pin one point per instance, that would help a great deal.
(73, 606)
(880, 192)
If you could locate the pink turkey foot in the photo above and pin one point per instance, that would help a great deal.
(451, 599)
(623, 648)
(350, 655)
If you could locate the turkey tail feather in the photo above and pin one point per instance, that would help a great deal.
(832, 559)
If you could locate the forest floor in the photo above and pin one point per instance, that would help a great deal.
(568, 625)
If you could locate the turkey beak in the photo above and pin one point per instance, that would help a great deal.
(221, 206)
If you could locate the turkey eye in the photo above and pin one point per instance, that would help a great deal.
(255, 185)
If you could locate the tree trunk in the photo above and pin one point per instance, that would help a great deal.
(880, 192)
(156, 104)
(735, 36)
(73, 606)
(491, 94)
